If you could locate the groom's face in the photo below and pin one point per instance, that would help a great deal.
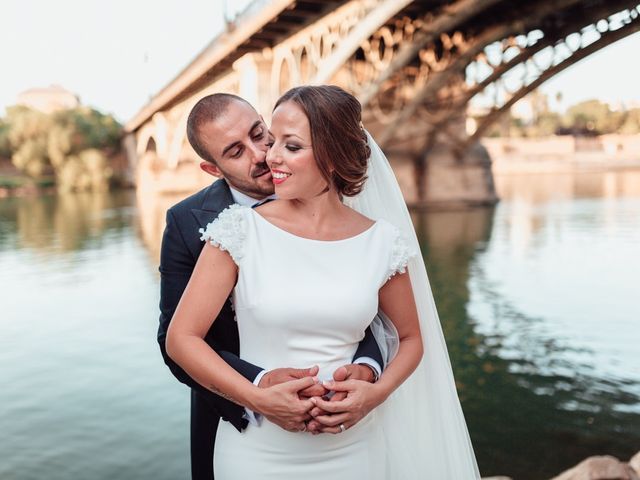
(237, 141)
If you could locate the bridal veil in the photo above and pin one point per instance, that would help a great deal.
(425, 433)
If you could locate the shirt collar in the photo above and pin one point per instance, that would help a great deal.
(245, 200)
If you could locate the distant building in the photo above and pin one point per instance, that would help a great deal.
(48, 99)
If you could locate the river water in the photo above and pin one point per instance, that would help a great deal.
(538, 298)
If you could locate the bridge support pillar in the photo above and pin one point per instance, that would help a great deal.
(440, 180)
(445, 181)
(254, 74)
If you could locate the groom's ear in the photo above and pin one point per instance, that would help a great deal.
(211, 169)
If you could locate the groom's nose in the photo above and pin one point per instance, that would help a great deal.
(258, 155)
(271, 157)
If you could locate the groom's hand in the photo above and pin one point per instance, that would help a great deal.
(282, 375)
(346, 372)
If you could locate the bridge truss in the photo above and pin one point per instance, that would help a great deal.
(416, 65)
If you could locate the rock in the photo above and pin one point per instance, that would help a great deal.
(599, 468)
(635, 463)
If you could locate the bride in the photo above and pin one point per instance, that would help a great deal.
(308, 272)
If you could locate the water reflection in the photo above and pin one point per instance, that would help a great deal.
(153, 209)
(536, 297)
(539, 314)
(63, 223)
(85, 394)
(534, 403)
(546, 187)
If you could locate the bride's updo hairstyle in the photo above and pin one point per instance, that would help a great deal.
(338, 139)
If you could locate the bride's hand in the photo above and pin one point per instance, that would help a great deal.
(281, 404)
(361, 398)
(351, 371)
(282, 375)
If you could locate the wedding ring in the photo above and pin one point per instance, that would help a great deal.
(342, 427)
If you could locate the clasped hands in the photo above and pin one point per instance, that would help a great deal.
(296, 400)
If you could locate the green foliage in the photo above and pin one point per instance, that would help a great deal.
(27, 136)
(546, 124)
(12, 182)
(631, 122)
(5, 145)
(74, 145)
(87, 171)
(591, 117)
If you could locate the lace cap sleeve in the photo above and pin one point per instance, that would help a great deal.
(228, 231)
(401, 253)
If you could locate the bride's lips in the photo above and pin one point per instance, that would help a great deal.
(278, 176)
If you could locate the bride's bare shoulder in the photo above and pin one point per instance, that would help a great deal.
(272, 209)
(357, 219)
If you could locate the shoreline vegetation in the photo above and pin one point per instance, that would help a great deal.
(509, 156)
(68, 150)
(80, 148)
(16, 185)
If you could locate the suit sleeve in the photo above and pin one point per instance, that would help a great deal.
(176, 266)
(368, 347)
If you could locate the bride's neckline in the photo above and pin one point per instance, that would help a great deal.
(357, 235)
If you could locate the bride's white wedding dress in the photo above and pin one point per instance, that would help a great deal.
(301, 302)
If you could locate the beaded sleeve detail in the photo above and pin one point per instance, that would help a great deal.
(401, 253)
(227, 232)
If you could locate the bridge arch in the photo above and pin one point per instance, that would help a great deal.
(415, 65)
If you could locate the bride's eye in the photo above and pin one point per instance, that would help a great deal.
(293, 148)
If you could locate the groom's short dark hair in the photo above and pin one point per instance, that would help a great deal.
(207, 109)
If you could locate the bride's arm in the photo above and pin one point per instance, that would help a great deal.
(213, 279)
(397, 301)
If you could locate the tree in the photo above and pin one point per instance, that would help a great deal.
(5, 145)
(74, 145)
(631, 122)
(28, 140)
(591, 116)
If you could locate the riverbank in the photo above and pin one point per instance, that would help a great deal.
(20, 186)
(603, 467)
(563, 154)
(16, 185)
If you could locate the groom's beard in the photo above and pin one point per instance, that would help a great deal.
(259, 170)
(256, 182)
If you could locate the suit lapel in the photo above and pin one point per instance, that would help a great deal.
(217, 198)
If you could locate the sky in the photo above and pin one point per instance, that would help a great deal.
(115, 55)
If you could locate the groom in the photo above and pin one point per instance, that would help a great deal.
(231, 137)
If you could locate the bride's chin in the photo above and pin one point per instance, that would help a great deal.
(286, 193)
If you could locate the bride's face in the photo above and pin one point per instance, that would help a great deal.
(290, 157)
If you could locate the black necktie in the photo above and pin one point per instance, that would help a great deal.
(262, 202)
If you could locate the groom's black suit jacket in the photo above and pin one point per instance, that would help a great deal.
(181, 246)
